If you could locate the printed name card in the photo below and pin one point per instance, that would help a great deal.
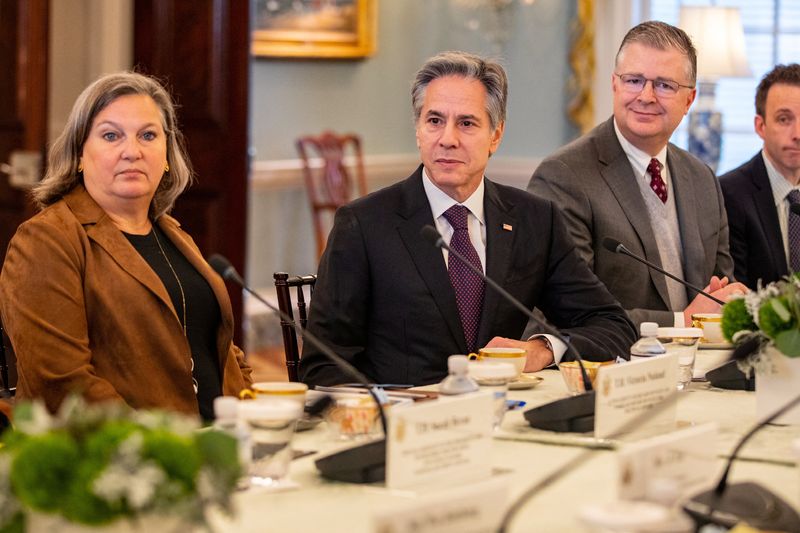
(685, 459)
(476, 507)
(627, 390)
(440, 443)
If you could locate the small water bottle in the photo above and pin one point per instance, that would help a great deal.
(226, 418)
(458, 380)
(648, 345)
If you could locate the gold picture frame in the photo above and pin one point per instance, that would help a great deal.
(320, 29)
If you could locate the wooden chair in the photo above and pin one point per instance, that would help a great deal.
(330, 186)
(283, 283)
(8, 374)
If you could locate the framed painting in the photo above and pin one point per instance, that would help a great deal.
(327, 29)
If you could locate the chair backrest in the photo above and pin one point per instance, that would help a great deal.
(8, 367)
(330, 186)
(283, 285)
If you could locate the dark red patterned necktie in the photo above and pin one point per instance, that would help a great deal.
(656, 183)
(468, 286)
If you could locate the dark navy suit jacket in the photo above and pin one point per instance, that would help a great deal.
(384, 302)
(755, 233)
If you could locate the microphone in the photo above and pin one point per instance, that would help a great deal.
(365, 463)
(749, 502)
(571, 414)
(613, 245)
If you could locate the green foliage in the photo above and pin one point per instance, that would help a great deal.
(42, 469)
(176, 455)
(735, 318)
(788, 342)
(95, 464)
(773, 316)
(219, 451)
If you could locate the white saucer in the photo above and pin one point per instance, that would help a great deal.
(525, 382)
(715, 346)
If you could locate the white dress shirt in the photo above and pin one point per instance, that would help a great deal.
(476, 222)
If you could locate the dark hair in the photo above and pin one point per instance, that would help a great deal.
(788, 74)
(490, 73)
(660, 35)
(62, 170)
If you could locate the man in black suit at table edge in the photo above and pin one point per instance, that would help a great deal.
(396, 307)
(758, 193)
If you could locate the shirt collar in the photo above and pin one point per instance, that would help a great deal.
(780, 185)
(441, 202)
(638, 158)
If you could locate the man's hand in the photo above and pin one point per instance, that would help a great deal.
(718, 288)
(539, 356)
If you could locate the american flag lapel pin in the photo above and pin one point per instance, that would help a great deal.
(507, 227)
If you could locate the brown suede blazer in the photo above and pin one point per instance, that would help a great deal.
(85, 313)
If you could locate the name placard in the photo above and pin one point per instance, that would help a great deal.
(685, 458)
(440, 443)
(624, 391)
(474, 507)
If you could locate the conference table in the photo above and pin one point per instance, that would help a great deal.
(520, 457)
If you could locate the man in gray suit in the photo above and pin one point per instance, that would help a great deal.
(624, 180)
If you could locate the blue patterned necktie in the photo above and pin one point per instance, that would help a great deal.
(468, 286)
(794, 233)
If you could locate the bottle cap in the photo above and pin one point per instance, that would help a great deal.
(457, 364)
(225, 407)
(648, 329)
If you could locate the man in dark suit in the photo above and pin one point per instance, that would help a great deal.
(623, 180)
(396, 307)
(758, 193)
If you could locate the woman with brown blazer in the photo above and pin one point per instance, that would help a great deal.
(102, 293)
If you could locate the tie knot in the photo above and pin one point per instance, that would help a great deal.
(654, 168)
(457, 216)
(793, 196)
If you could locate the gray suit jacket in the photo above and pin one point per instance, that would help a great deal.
(592, 182)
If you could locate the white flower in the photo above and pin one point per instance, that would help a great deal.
(128, 478)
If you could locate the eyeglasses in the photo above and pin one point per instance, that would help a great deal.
(634, 84)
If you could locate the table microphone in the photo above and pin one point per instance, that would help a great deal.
(726, 376)
(749, 502)
(365, 463)
(571, 414)
(613, 245)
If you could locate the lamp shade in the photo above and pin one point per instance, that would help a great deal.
(718, 36)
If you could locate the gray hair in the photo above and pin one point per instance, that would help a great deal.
(662, 36)
(62, 170)
(490, 73)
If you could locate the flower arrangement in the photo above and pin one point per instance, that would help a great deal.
(770, 316)
(98, 465)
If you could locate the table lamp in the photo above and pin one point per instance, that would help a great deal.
(718, 36)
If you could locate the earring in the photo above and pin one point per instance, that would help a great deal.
(80, 168)
(166, 167)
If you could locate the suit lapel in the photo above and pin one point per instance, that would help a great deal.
(499, 243)
(102, 230)
(415, 213)
(765, 207)
(687, 209)
(616, 170)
